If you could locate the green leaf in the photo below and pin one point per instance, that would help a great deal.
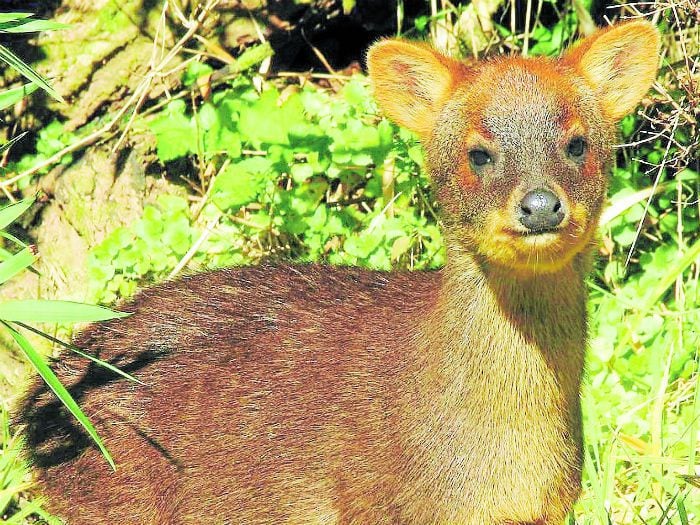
(194, 71)
(15, 264)
(10, 97)
(252, 57)
(355, 92)
(348, 5)
(219, 133)
(14, 61)
(10, 213)
(4, 254)
(400, 246)
(362, 245)
(78, 351)
(265, 122)
(32, 26)
(421, 22)
(9, 143)
(301, 172)
(241, 183)
(41, 311)
(52, 381)
(628, 125)
(175, 133)
(11, 17)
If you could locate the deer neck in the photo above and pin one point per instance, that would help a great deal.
(494, 332)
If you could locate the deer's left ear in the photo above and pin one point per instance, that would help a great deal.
(619, 63)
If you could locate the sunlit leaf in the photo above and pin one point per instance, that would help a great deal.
(32, 26)
(14, 61)
(15, 264)
(10, 97)
(42, 311)
(11, 17)
(10, 213)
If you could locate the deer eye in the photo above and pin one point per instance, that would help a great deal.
(576, 147)
(479, 158)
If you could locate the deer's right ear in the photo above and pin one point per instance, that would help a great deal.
(411, 82)
(619, 63)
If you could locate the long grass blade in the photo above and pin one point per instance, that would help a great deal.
(12, 17)
(54, 311)
(78, 351)
(15, 264)
(33, 26)
(4, 254)
(14, 61)
(10, 97)
(63, 395)
(9, 214)
(7, 145)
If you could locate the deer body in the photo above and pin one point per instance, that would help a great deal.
(367, 436)
(336, 396)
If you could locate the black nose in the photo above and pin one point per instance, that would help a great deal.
(541, 210)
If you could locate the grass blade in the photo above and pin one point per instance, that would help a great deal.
(14, 61)
(27, 510)
(42, 311)
(63, 395)
(4, 254)
(78, 351)
(33, 26)
(12, 17)
(9, 143)
(15, 264)
(10, 97)
(9, 214)
(682, 514)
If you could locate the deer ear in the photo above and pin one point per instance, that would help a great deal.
(619, 63)
(411, 82)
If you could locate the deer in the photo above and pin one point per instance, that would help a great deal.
(310, 394)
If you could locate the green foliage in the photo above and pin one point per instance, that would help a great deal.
(642, 406)
(13, 482)
(22, 23)
(300, 175)
(549, 41)
(14, 314)
(51, 139)
(149, 249)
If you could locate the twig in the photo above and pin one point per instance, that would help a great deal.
(656, 183)
(208, 229)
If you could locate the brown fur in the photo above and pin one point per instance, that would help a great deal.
(319, 395)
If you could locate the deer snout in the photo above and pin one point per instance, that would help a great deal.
(541, 210)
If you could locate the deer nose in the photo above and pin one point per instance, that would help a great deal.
(541, 210)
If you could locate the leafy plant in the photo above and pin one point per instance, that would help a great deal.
(14, 314)
(300, 175)
(23, 23)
